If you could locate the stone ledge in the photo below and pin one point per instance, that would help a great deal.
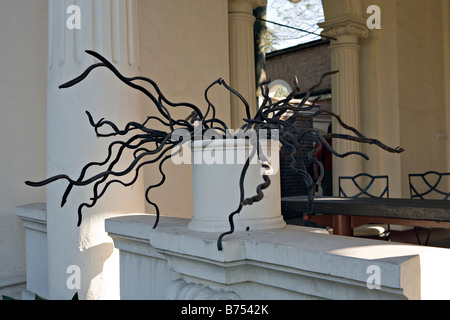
(33, 216)
(320, 265)
(34, 219)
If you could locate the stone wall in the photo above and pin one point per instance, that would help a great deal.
(307, 62)
(173, 262)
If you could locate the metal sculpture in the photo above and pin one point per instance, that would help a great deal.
(162, 145)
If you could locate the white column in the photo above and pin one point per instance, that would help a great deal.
(242, 57)
(345, 87)
(108, 27)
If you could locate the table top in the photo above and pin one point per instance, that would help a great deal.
(417, 209)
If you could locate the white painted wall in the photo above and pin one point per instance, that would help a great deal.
(23, 52)
(404, 91)
(184, 48)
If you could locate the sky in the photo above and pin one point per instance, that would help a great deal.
(303, 15)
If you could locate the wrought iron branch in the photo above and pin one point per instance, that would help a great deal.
(151, 146)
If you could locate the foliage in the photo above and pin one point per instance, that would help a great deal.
(300, 14)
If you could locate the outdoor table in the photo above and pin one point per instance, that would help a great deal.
(344, 214)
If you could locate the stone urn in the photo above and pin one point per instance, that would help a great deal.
(217, 167)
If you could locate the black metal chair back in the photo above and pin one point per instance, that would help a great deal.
(430, 185)
(364, 185)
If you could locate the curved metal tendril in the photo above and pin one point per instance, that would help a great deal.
(149, 145)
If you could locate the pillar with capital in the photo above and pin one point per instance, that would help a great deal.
(345, 31)
(242, 59)
(83, 259)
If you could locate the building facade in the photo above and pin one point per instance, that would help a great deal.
(306, 62)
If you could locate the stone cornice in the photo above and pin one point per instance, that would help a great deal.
(345, 25)
(245, 5)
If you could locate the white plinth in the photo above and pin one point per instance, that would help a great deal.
(217, 166)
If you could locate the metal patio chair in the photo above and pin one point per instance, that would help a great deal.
(366, 185)
(429, 185)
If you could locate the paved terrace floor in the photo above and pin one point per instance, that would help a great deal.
(438, 238)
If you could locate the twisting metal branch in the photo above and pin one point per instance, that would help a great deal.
(150, 146)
